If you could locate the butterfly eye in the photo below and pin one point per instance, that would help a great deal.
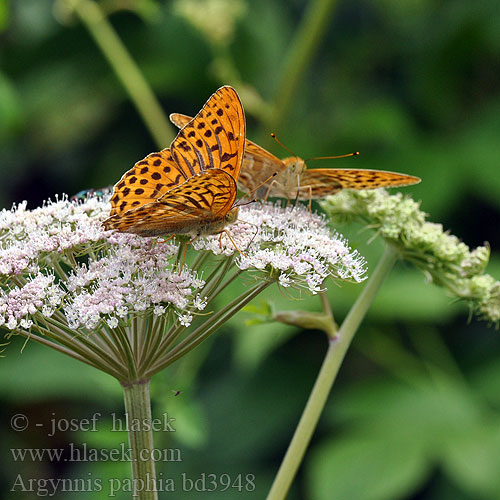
(231, 216)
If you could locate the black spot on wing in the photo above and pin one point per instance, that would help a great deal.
(227, 156)
(176, 181)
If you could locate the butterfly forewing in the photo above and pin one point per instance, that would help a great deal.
(258, 163)
(146, 181)
(215, 138)
(321, 182)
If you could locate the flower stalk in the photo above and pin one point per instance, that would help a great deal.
(337, 348)
(138, 418)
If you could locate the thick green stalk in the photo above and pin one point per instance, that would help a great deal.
(336, 351)
(138, 414)
(126, 69)
(303, 46)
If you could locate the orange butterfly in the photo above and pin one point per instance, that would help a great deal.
(295, 181)
(189, 188)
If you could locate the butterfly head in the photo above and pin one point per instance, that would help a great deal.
(295, 165)
(231, 216)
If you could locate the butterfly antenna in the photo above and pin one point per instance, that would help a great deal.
(273, 135)
(247, 203)
(356, 153)
(255, 190)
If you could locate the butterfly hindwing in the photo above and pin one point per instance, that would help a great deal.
(199, 200)
(180, 120)
(259, 165)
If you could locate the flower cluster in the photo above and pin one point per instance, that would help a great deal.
(130, 279)
(58, 262)
(442, 256)
(291, 244)
(38, 294)
(59, 258)
(29, 237)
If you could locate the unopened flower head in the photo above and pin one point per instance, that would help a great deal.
(442, 256)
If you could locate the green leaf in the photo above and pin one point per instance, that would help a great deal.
(253, 345)
(472, 460)
(367, 468)
(436, 409)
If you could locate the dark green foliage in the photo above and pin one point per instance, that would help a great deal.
(415, 87)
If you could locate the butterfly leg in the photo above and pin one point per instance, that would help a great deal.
(298, 192)
(185, 251)
(310, 199)
(165, 241)
(268, 192)
(232, 241)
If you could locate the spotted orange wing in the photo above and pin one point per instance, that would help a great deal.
(321, 182)
(201, 145)
(258, 163)
(214, 138)
(191, 207)
(147, 180)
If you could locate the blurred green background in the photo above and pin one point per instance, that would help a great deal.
(414, 85)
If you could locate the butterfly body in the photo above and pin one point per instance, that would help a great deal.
(286, 184)
(293, 180)
(189, 188)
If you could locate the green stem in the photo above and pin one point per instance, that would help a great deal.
(326, 377)
(305, 43)
(121, 337)
(206, 329)
(126, 69)
(138, 413)
(81, 344)
(212, 282)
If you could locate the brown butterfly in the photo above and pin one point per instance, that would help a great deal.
(295, 181)
(189, 188)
